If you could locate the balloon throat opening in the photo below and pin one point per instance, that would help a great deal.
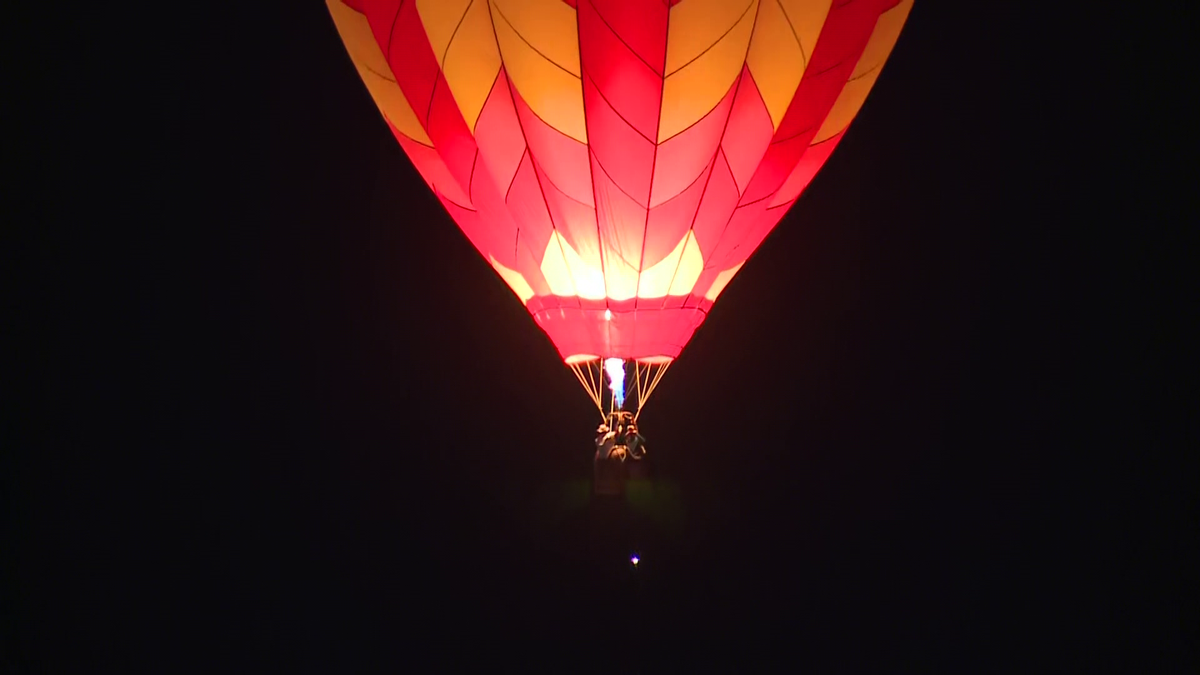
(605, 382)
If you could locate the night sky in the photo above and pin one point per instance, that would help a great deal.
(297, 424)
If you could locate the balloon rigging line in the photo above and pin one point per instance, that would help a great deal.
(646, 379)
(657, 378)
(591, 392)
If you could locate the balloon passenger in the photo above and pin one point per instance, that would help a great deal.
(634, 441)
(605, 442)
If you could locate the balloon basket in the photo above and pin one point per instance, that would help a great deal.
(610, 476)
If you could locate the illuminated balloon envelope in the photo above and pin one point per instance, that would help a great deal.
(617, 161)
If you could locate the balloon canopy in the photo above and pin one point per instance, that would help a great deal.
(617, 161)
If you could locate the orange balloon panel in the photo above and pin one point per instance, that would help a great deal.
(616, 161)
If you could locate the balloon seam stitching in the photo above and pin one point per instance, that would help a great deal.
(650, 192)
(719, 152)
(622, 40)
(442, 73)
(716, 42)
(792, 27)
(528, 149)
(618, 113)
(527, 43)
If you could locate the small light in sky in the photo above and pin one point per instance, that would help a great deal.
(634, 560)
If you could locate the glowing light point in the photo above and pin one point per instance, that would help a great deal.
(608, 315)
(616, 379)
(634, 560)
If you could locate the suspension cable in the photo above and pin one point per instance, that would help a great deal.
(591, 392)
(662, 369)
(646, 379)
(637, 379)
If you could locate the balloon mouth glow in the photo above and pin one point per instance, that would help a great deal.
(616, 379)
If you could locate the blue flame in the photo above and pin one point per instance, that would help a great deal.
(616, 379)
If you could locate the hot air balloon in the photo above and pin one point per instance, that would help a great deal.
(617, 161)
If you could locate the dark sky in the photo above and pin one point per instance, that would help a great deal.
(298, 424)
